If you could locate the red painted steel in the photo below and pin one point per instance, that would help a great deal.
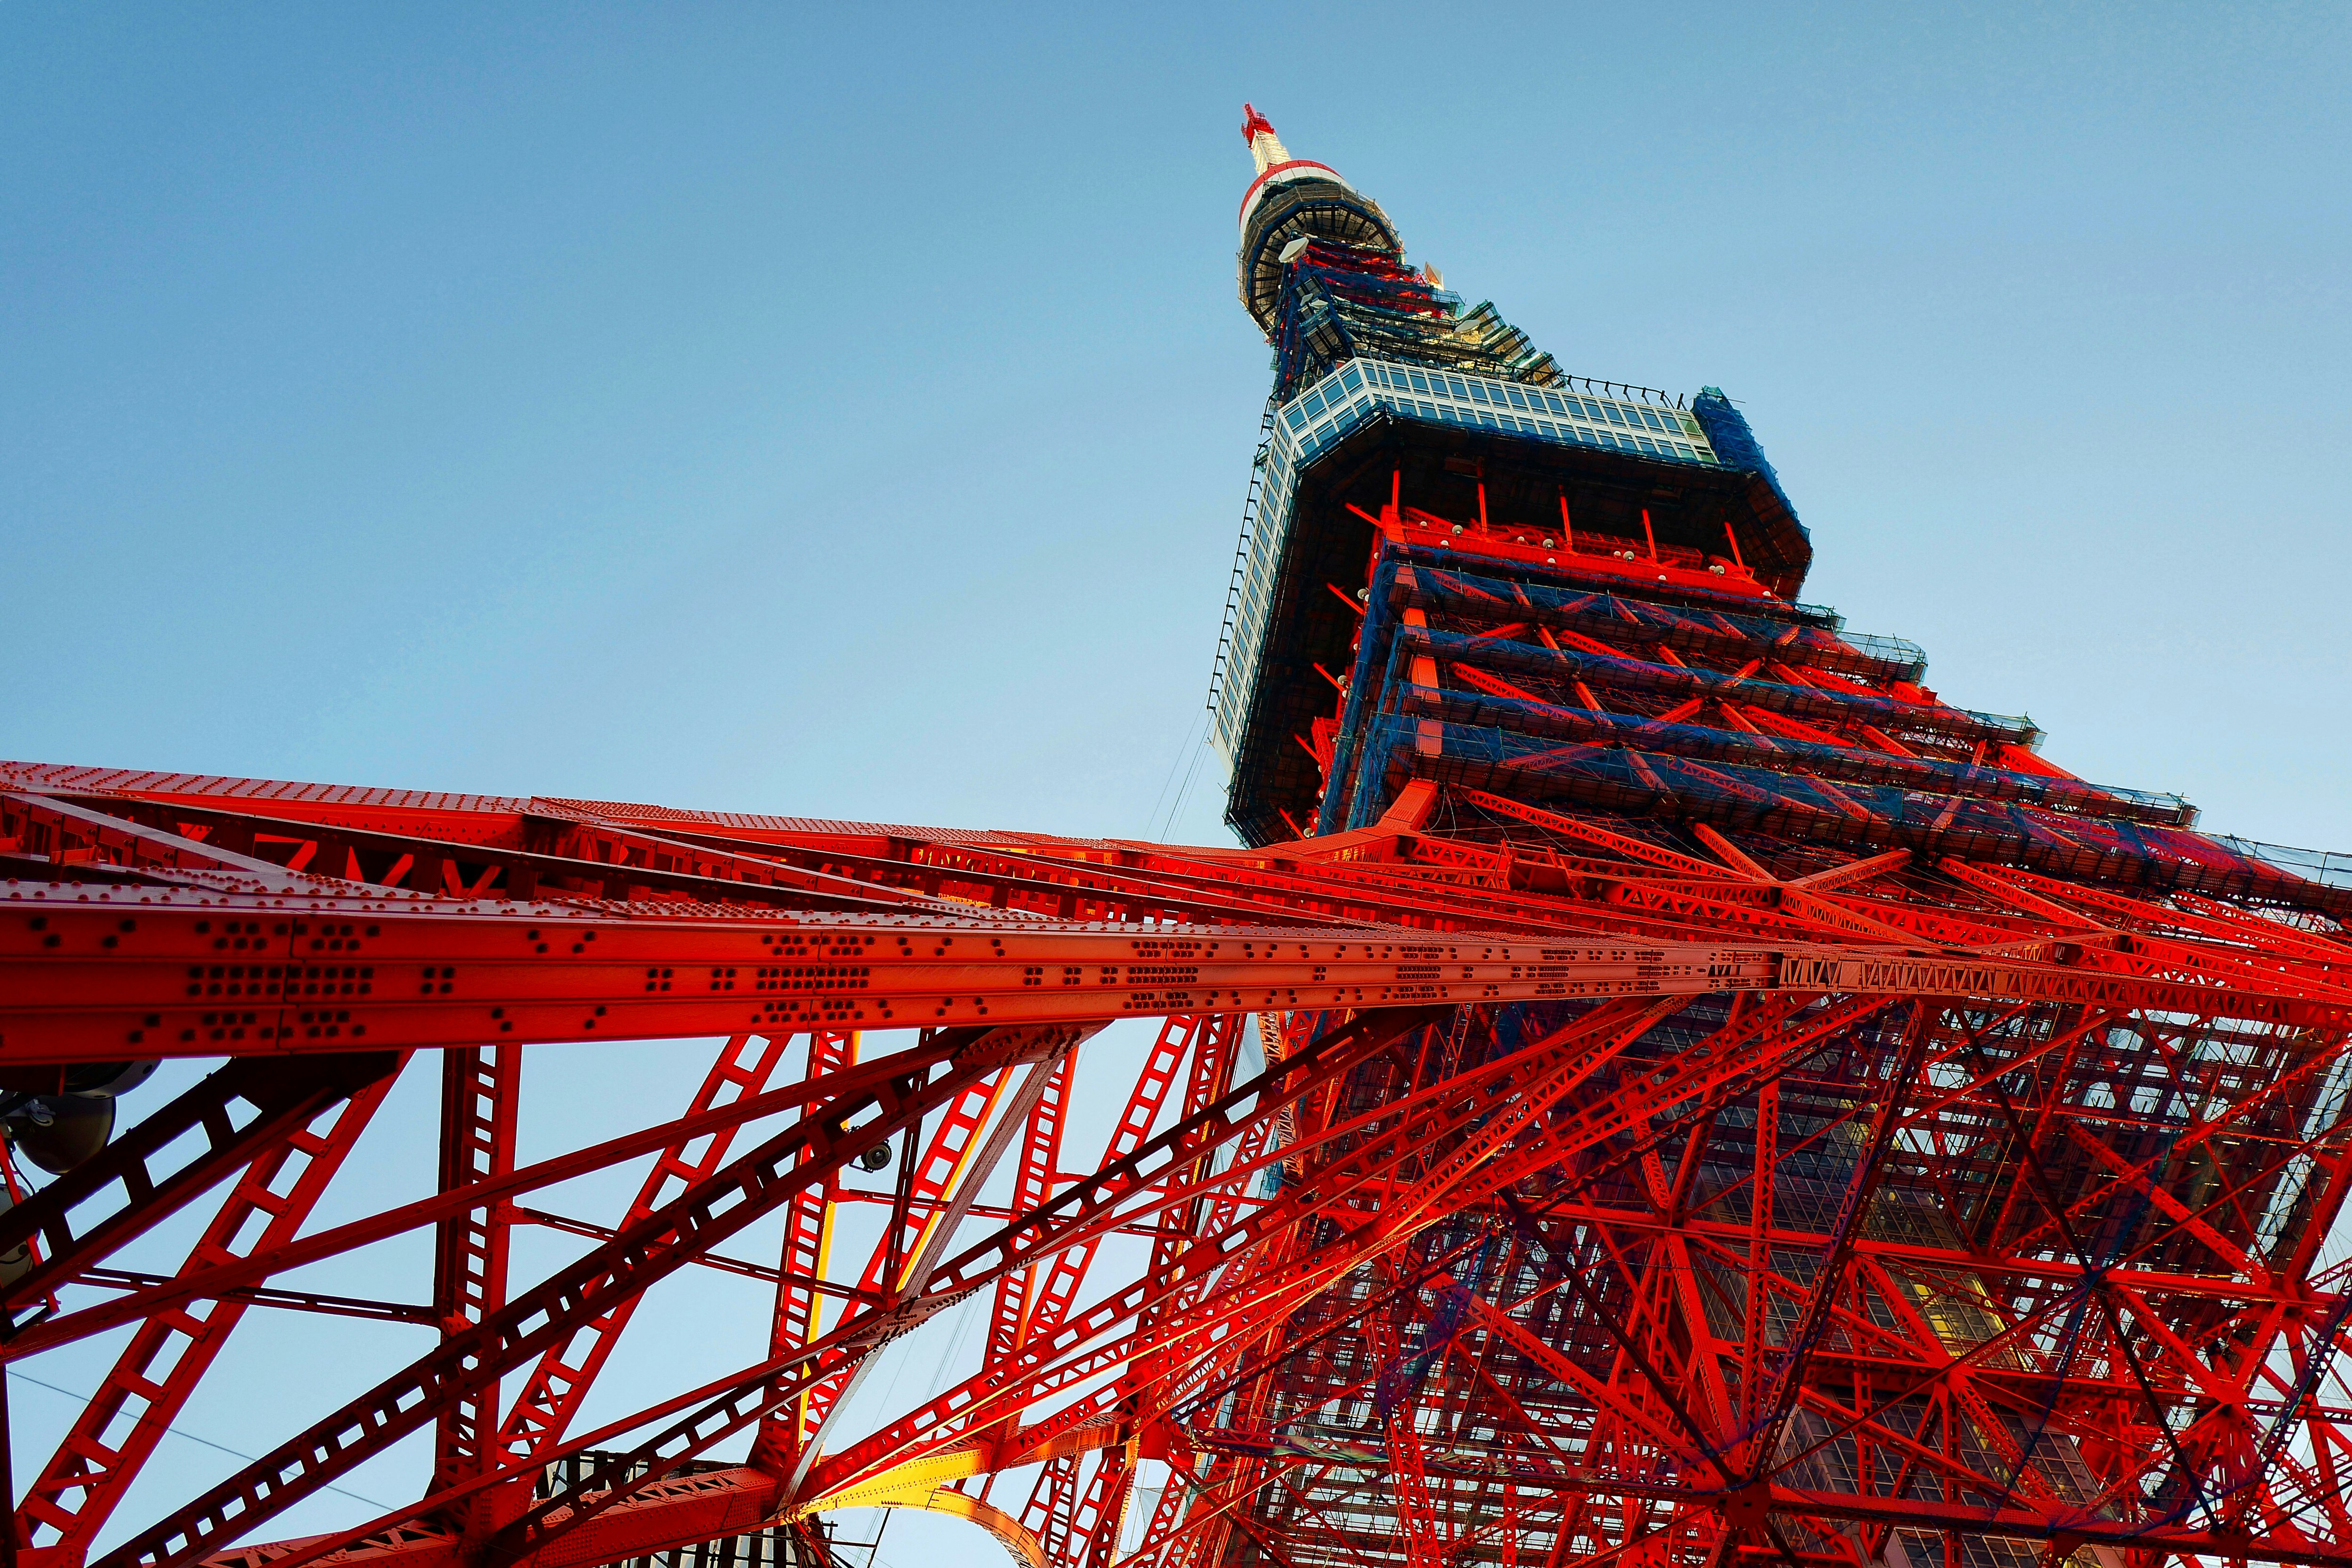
(564, 1375)
(152, 1381)
(480, 1094)
(1298, 1203)
(807, 1231)
(1705, 1100)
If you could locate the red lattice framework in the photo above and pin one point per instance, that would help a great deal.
(1443, 1172)
(1698, 1099)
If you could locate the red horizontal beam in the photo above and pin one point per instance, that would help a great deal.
(102, 973)
(267, 1296)
(98, 973)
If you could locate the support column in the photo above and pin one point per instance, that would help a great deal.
(806, 1254)
(478, 1088)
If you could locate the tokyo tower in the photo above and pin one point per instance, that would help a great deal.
(1656, 1085)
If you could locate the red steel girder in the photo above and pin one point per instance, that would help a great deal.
(664, 1240)
(150, 1381)
(564, 1373)
(1606, 1134)
(285, 1095)
(1724, 1103)
(480, 1090)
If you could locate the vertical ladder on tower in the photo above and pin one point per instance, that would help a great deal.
(1241, 552)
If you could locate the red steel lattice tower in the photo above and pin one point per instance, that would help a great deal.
(1658, 1084)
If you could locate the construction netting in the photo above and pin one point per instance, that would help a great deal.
(1603, 730)
(1343, 302)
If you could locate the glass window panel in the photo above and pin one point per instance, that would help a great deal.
(1454, 382)
(1517, 401)
(1420, 383)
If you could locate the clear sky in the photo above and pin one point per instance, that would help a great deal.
(846, 410)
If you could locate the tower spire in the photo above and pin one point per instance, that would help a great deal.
(1291, 197)
(1265, 146)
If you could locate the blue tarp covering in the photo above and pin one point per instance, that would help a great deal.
(1734, 443)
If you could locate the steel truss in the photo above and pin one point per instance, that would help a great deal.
(1445, 1182)
(1682, 1095)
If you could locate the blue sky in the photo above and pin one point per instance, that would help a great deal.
(846, 411)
